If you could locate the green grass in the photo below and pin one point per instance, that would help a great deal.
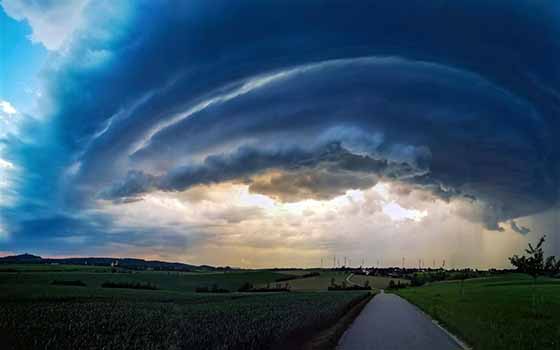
(496, 312)
(52, 268)
(322, 282)
(37, 314)
(317, 283)
(39, 284)
(377, 282)
(248, 322)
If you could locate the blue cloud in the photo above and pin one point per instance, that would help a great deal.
(466, 101)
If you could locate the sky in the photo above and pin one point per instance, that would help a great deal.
(280, 133)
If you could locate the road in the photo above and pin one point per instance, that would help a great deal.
(389, 322)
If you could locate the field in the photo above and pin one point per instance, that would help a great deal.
(323, 281)
(377, 282)
(34, 313)
(38, 284)
(495, 312)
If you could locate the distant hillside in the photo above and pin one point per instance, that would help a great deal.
(127, 263)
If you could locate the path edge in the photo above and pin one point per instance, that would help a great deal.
(455, 338)
(328, 338)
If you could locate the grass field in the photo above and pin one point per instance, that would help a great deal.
(35, 314)
(323, 281)
(377, 282)
(224, 322)
(52, 268)
(495, 312)
(38, 284)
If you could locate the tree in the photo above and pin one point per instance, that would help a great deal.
(534, 264)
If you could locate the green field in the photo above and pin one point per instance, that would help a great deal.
(52, 268)
(495, 312)
(377, 282)
(38, 284)
(323, 281)
(34, 314)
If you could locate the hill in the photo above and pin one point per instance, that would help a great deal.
(126, 263)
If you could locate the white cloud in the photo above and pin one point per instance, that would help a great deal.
(52, 22)
(398, 213)
(4, 164)
(7, 108)
(232, 226)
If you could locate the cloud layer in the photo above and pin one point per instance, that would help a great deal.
(295, 100)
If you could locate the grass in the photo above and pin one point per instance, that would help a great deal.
(52, 268)
(496, 312)
(377, 282)
(37, 314)
(130, 285)
(38, 284)
(321, 282)
(225, 322)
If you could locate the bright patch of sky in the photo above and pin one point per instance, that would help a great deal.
(21, 62)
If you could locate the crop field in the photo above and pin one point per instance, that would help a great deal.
(52, 268)
(377, 282)
(323, 281)
(198, 322)
(16, 285)
(53, 308)
(496, 312)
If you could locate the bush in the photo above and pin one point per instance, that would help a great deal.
(287, 278)
(214, 289)
(129, 285)
(68, 283)
(245, 287)
(295, 277)
(264, 290)
(398, 285)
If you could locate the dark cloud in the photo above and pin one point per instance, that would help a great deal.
(457, 97)
(320, 184)
(323, 171)
(519, 229)
(408, 121)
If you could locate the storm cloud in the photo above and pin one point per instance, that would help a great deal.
(298, 100)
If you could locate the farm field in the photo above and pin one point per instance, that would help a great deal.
(34, 313)
(223, 322)
(495, 312)
(377, 282)
(323, 281)
(38, 284)
(52, 268)
(317, 283)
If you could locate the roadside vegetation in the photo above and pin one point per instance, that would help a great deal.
(504, 311)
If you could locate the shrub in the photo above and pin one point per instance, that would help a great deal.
(214, 289)
(68, 283)
(129, 285)
(245, 287)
